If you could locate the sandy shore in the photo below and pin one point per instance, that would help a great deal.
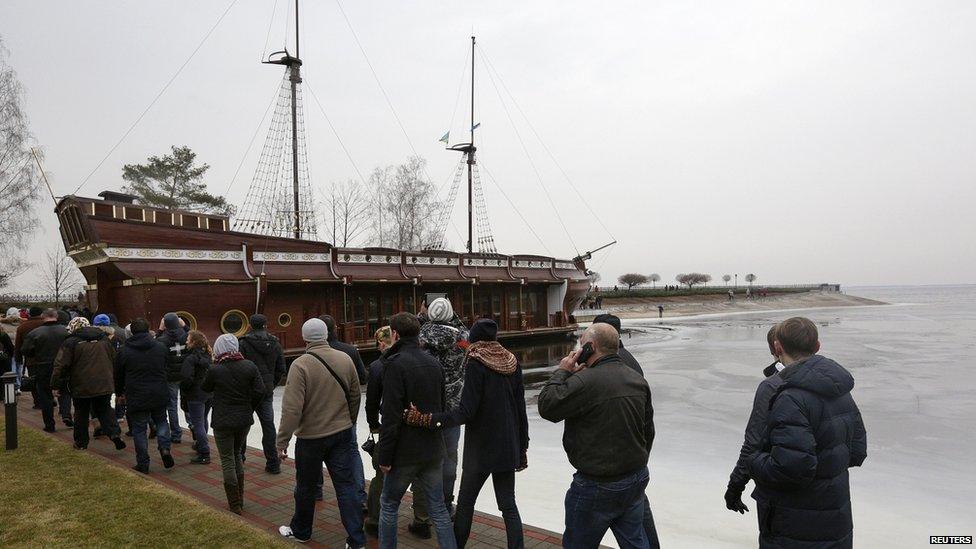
(679, 306)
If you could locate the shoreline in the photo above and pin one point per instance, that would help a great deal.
(718, 305)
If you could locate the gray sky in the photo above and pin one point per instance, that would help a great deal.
(802, 141)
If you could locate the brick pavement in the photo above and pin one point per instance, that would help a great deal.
(268, 499)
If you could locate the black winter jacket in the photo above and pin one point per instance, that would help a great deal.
(374, 394)
(175, 342)
(6, 351)
(353, 353)
(629, 360)
(141, 373)
(410, 375)
(815, 433)
(264, 350)
(195, 368)
(756, 427)
(85, 364)
(609, 418)
(236, 385)
(41, 346)
(493, 410)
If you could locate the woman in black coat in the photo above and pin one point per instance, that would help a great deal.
(236, 385)
(198, 402)
(497, 435)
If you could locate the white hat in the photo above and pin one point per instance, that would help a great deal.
(440, 310)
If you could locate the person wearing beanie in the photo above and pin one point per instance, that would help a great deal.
(173, 336)
(445, 337)
(101, 320)
(85, 367)
(264, 350)
(319, 407)
(140, 383)
(625, 355)
(236, 384)
(496, 438)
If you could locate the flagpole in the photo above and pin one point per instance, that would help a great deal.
(471, 161)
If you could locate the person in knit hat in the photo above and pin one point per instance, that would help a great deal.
(173, 336)
(319, 407)
(497, 435)
(264, 350)
(236, 384)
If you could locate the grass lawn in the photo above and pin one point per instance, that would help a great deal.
(53, 495)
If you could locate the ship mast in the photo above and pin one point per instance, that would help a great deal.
(471, 150)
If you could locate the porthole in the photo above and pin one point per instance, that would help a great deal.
(284, 320)
(189, 319)
(234, 322)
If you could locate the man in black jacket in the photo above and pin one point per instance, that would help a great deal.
(141, 368)
(264, 350)
(755, 430)
(814, 434)
(173, 337)
(608, 436)
(39, 349)
(406, 453)
(625, 356)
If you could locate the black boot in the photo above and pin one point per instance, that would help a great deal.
(233, 498)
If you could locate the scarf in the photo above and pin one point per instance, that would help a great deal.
(495, 357)
(228, 356)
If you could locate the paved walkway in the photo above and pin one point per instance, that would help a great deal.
(268, 499)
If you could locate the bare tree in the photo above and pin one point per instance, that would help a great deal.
(632, 279)
(593, 277)
(20, 178)
(691, 279)
(347, 208)
(726, 278)
(750, 278)
(60, 276)
(409, 206)
(654, 278)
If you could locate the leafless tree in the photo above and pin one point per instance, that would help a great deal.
(726, 278)
(593, 277)
(632, 279)
(750, 278)
(406, 217)
(347, 208)
(654, 278)
(60, 276)
(20, 178)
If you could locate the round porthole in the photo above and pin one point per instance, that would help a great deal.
(234, 322)
(189, 319)
(284, 320)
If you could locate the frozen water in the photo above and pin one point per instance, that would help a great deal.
(912, 366)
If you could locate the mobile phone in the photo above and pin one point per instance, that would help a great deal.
(585, 353)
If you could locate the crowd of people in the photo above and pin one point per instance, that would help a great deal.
(435, 374)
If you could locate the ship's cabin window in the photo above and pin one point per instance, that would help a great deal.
(164, 218)
(284, 320)
(215, 224)
(234, 322)
(189, 319)
(133, 213)
(191, 221)
(104, 210)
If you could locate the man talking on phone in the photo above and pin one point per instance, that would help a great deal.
(607, 436)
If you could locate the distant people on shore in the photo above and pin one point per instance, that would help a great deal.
(607, 436)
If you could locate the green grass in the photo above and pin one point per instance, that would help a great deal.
(53, 495)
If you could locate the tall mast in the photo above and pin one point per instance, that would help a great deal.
(471, 161)
(296, 78)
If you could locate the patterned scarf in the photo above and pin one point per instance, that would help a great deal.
(493, 356)
(228, 356)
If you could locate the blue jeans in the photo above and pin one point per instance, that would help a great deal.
(139, 423)
(430, 475)
(593, 507)
(198, 410)
(649, 528)
(359, 474)
(265, 412)
(18, 369)
(176, 432)
(334, 451)
(452, 435)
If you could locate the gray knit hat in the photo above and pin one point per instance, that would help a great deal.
(440, 310)
(226, 343)
(314, 330)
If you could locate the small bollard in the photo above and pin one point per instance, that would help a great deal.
(10, 408)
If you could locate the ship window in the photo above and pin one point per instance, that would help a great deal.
(133, 213)
(103, 210)
(284, 320)
(164, 218)
(191, 221)
(189, 319)
(234, 322)
(215, 224)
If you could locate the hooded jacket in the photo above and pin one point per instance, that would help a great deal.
(141, 373)
(756, 427)
(814, 434)
(493, 408)
(235, 385)
(444, 342)
(85, 364)
(264, 350)
(174, 338)
(195, 368)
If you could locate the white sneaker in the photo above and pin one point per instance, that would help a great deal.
(286, 532)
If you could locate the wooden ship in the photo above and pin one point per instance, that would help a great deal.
(215, 271)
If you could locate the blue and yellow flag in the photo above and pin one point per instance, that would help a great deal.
(446, 138)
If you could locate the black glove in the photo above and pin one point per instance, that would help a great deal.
(733, 500)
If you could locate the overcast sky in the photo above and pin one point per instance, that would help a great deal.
(801, 141)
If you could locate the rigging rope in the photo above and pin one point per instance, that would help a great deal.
(267, 39)
(155, 99)
(491, 67)
(251, 143)
(514, 207)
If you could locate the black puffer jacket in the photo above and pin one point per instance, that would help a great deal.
(815, 433)
(264, 350)
(175, 341)
(195, 368)
(410, 375)
(236, 385)
(756, 427)
(140, 373)
(41, 346)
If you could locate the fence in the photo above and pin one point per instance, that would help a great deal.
(37, 299)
